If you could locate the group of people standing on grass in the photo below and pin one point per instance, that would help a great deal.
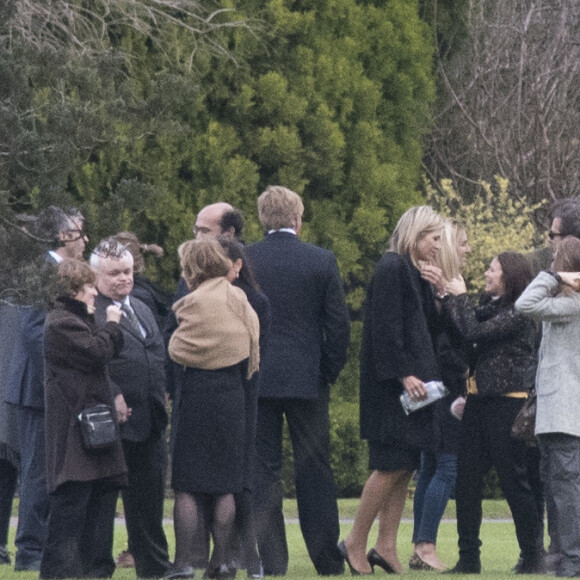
(256, 335)
(421, 326)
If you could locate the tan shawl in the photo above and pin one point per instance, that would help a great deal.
(217, 328)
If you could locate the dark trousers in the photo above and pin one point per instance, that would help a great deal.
(34, 503)
(315, 492)
(8, 481)
(143, 502)
(560, 471)
(486, 441)
(79, 541)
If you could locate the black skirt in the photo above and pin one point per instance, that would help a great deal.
(393, 456)
(208, 455)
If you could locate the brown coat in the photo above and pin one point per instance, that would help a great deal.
(76, 357)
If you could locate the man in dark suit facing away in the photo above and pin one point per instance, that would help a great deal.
(138, 375)
(306, 350)
(62, 230)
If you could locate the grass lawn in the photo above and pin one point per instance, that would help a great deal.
(499, 552)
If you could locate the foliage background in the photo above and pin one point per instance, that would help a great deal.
(143, 113)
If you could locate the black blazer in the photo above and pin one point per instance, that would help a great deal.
(310, 328)
(400, 323)
(504, 343)
(138, 371)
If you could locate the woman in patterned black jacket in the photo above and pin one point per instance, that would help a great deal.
(503, 348)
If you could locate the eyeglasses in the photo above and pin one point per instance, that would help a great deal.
(553, 235)
(79, 232)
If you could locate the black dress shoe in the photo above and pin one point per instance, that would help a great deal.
(465, 568)
(179, 573)
(375, 559)
(255, 571)
(221, 572)
(344, 553)
(4, 556)
(533, 565)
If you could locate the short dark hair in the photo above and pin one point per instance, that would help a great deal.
(516, 274)
(232, 218)
(568, 210)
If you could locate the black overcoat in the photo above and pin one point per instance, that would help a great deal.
(76, 356)
(400, 320)
(310, 329)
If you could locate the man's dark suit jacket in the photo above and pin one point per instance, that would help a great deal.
(309, 334)
(26, 374)
(139, 371)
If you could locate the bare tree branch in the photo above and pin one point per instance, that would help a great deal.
(509, 102)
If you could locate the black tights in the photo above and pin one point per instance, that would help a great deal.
(190, 521)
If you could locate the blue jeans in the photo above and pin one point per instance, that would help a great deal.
(434, 485)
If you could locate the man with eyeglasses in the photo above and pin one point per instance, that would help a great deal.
(565, 220)
(62, 230)
(565, 214)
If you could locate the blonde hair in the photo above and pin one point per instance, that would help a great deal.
(202, 260)
(414, 225)
(447, 258)
(279, 207)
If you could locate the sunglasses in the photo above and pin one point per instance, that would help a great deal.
(553, 235)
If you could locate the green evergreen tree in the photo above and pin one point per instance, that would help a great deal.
(149, 124)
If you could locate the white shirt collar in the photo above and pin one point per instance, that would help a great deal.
(56, 257)
(124, 301)
(287, 230)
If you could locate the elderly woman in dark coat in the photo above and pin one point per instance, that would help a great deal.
(398, 354)
(76, 357)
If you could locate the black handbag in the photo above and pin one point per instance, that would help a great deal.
(98, 427)
(524, 424)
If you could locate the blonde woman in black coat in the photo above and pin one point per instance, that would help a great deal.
(398, 354)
